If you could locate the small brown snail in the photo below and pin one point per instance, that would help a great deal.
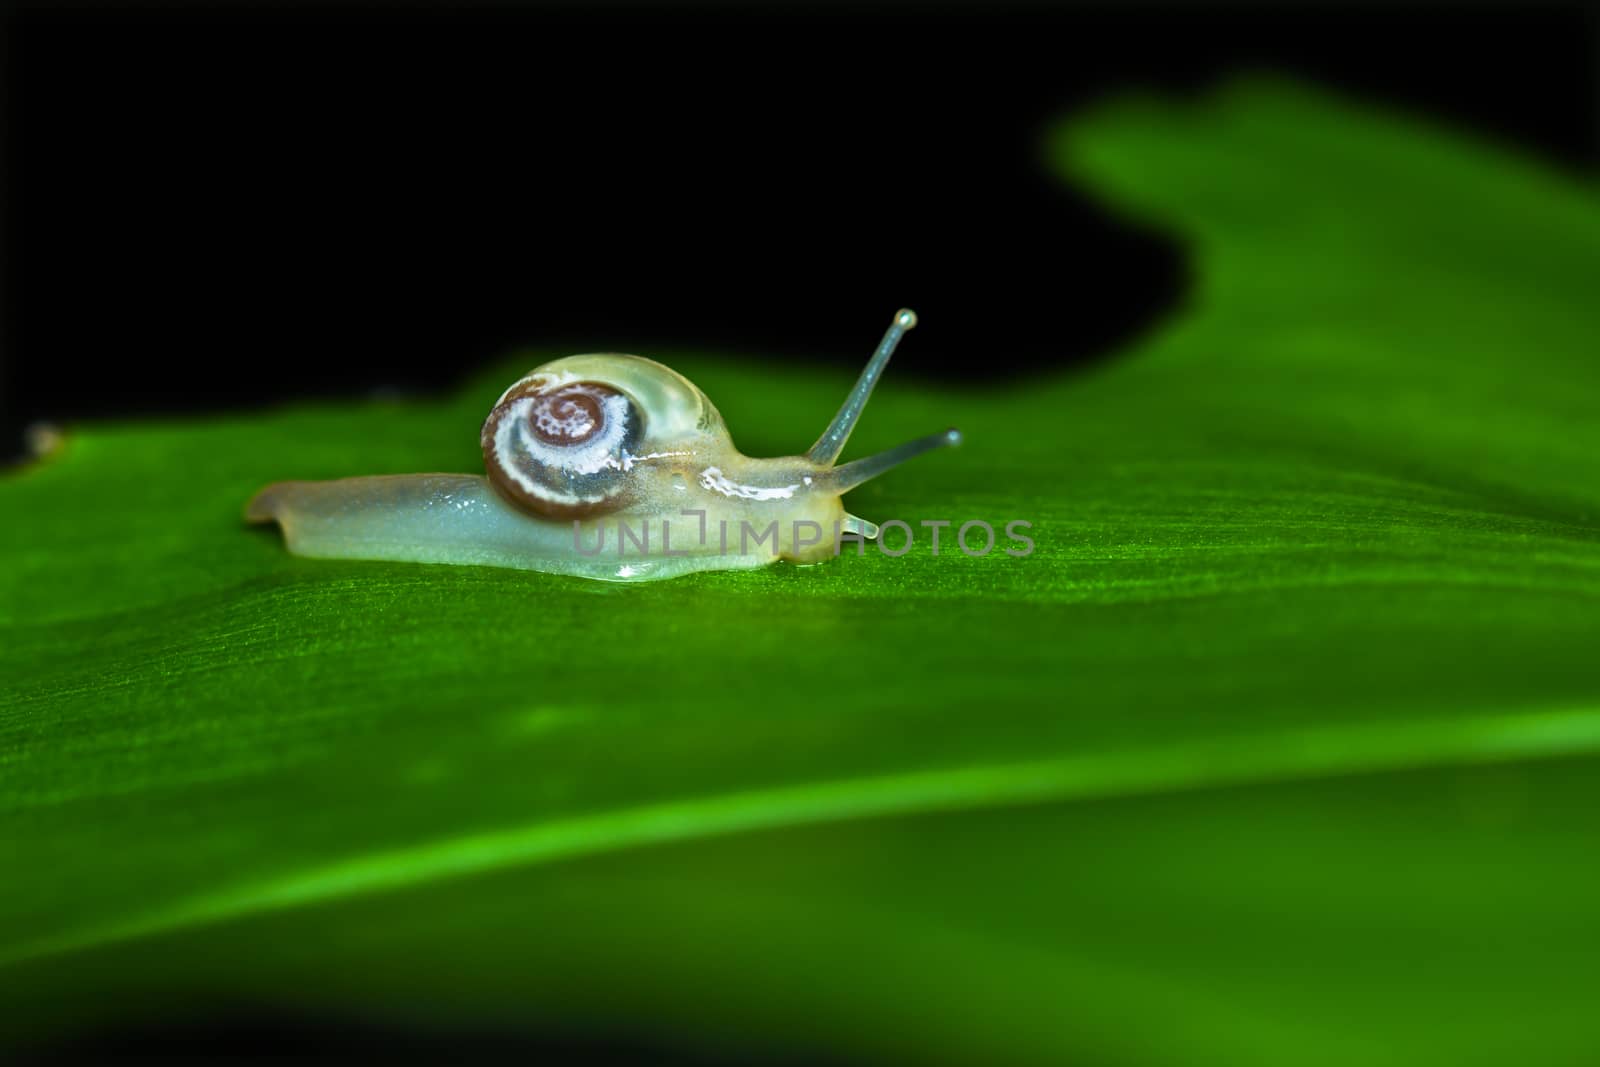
(606, 466)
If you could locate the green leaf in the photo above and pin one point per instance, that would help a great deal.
(1281, 746)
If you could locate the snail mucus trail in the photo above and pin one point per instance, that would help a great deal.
(592, 449)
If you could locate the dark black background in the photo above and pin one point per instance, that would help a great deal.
(223, 207)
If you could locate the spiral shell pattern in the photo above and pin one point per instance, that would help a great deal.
(562, 448)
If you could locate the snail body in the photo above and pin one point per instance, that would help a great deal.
(605, 466)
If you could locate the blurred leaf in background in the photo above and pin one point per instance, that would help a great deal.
(1280, 747)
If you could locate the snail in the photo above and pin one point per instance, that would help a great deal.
(606, 466)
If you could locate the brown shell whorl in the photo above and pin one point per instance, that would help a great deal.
(562, 449)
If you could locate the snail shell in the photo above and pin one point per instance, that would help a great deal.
(564, 441)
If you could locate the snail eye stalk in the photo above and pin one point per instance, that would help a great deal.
(826, 451)
(831, 443)
(844, 478)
